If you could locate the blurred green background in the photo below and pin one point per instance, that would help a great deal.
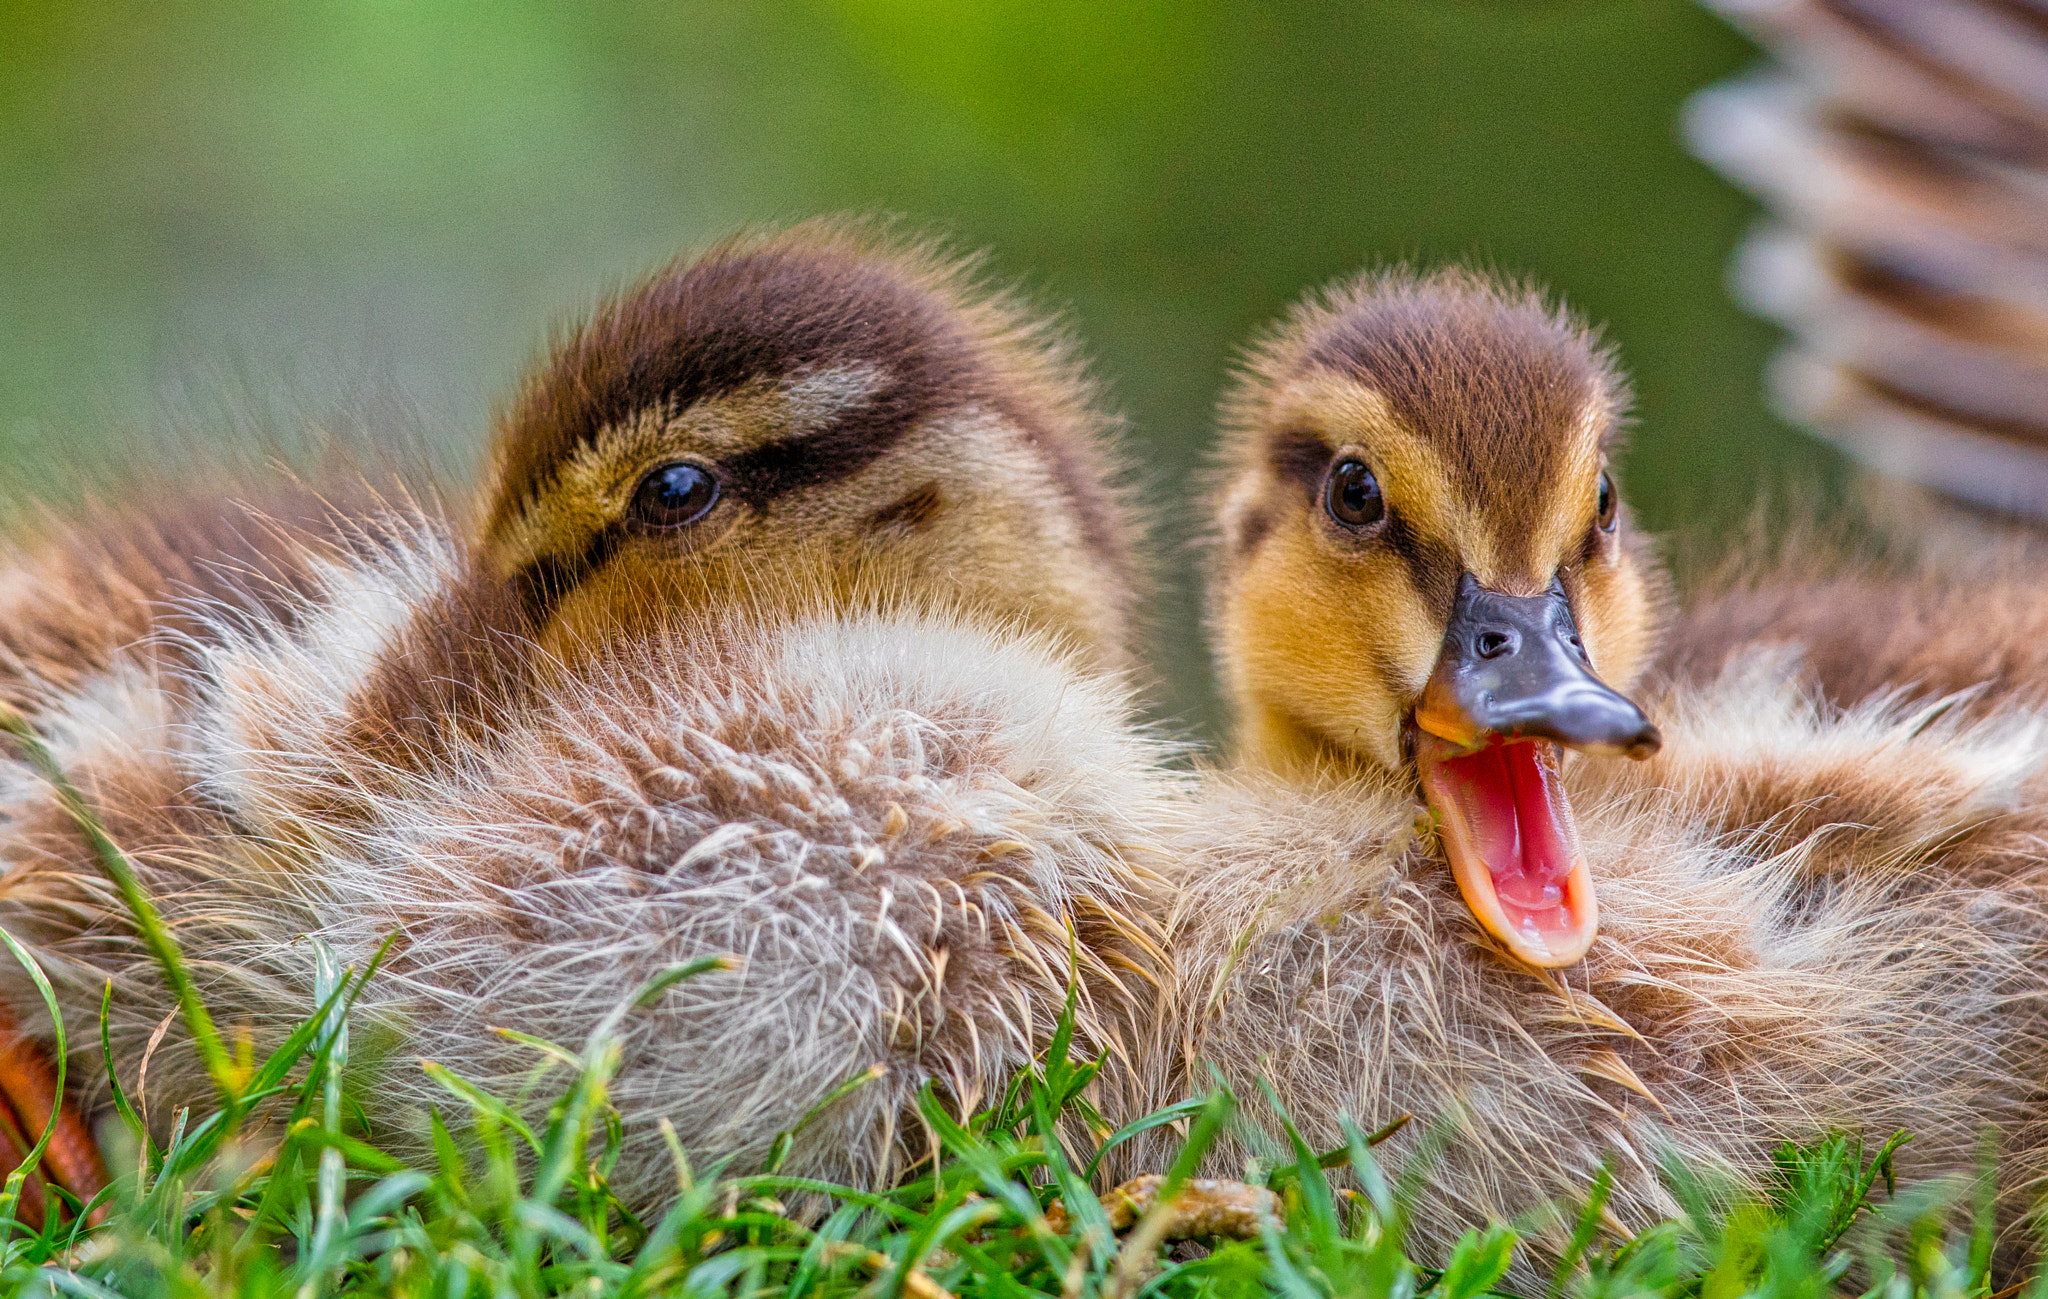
(341, 200)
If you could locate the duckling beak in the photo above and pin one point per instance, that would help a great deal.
(1511, 685)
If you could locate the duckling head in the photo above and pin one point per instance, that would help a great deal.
(813, 410)
(1425, 569)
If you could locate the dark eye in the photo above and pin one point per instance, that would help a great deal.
(1354, 495)
(1610, 504)
(672, 496)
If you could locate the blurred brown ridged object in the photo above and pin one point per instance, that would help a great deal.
(1901, 149)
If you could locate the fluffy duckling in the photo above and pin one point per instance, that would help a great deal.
(1426, 585)
(790, 628)
(1423, 558)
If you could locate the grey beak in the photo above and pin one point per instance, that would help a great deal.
(1514, 666)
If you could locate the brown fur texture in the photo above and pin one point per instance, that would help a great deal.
(854, 730)
(83, 593)
(1931, 627)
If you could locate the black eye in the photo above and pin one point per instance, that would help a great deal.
(1610, 504)
(1354, 495)
(672, 496)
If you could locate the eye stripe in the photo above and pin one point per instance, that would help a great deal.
(1301, 457)
(543, 584)
(758, 476)
(1431, 565)
(762, 474)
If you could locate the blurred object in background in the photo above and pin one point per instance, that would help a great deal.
(1901, 147)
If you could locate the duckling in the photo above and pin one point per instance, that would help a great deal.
(794, 625)
(1783, 916)
(1363, 632)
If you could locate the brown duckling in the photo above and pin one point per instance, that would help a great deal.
(1427, 599)
(791, 627)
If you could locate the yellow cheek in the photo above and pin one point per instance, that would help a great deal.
(624, 598)
(1337, 645)
(645, 587)
(1615, 622)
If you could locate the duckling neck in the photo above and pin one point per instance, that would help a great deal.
(1269, 737)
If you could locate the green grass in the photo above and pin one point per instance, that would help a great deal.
(307, 1204)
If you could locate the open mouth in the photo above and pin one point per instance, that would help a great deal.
(1512, 843)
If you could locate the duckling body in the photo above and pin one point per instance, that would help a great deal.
(1975, 623)
(788, 632)
(122, 584)
(1751, 985)
(1807, 917)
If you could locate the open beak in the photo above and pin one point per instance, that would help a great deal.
(1513, 684)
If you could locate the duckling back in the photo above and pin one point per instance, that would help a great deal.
(127, 582)
(1869, 966)
(1967, 616)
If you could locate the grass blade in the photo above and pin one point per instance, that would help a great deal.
(10, 1194)
(212, 1052)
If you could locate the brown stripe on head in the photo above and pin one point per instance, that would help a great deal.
(844, 390)
(1493, 373)
(750, 314)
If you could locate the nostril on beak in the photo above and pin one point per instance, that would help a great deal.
(1492, 644)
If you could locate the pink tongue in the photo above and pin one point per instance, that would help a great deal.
(1515, 811)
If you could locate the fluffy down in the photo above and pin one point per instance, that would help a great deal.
(909, 828)
(1969, 618)
(1753, 982)
(898, 827)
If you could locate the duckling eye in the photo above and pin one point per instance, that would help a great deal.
(1610, 504)
(1354, 495)
(673, 495)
